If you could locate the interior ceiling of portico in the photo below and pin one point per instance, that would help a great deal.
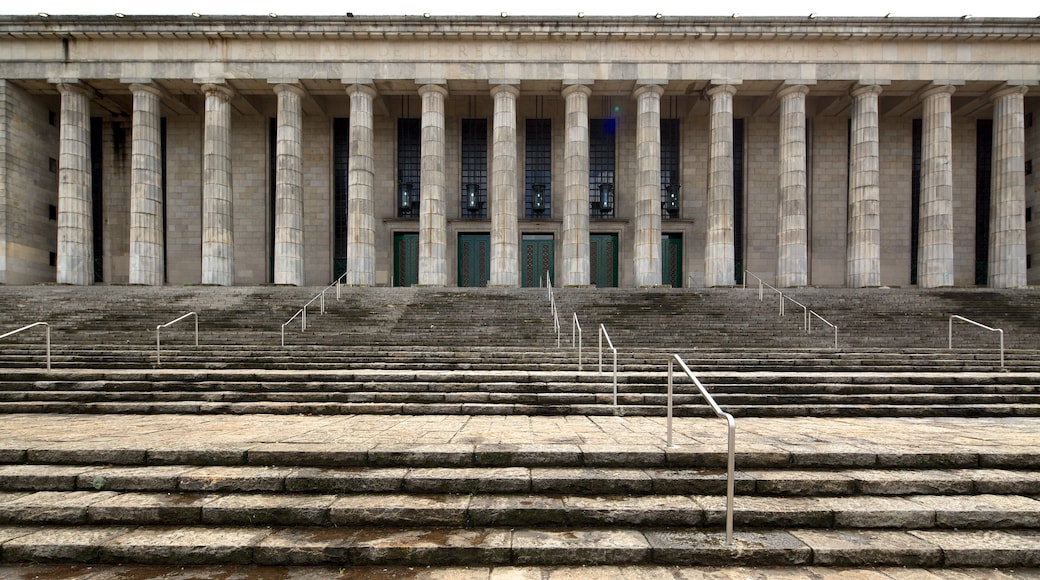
(328, 97)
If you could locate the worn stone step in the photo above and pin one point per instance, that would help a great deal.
(209, 545)
(559, 480)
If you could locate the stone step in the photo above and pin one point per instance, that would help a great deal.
(790, 482)
(560, 546)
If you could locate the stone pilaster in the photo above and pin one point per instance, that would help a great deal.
(361, 211)
(433, 221)
(217, 216)
(863, 249)
(648, 186)
(288, 216)
(792, 267)
(719, 252)
(146, 203)
(935, 246)
(75, 202)
(1007, 222)
(575, 232)
(505, 237)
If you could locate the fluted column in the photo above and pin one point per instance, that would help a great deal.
(793, 210)
(863, 249)
(719, 252)
(75, 202)
(433, 222)
(576, 187)
(505, 237)
(361, 212)
(935, 246)
(146, 203)
(648, 186)
(217, 217)
(1007, 222)
(288, 216)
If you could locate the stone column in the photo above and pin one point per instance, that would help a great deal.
(361, 212)
(719, 252)
(505, 237)
(1007, 221)
(217, 223)
(792, 267)
(288, 216)
(146, 202)
(648, 186)
(75, 200)
(863, 249)
(433, 222)
(575, 232)
(935, 246)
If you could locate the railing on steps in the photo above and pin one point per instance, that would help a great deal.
(34, 325)
(610, 343)
(552, 307)
(576, 332)
(807, 314)
(955, 317)
(320, 297)
(158, 345)
(731, 424)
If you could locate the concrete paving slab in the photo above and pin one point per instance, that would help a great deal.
(516, 510)
(309, 454)
(912, 481)
(306, 547)
(699, 481)
(399, 510)
(590, 480)
(708, 548)
(634, 511)
(345, 479)
(431, 547)
(879, 512)
(149, 509)
(988, 548)
(184, 546)
(39, 477)
(868, 548)
(268, 510)
(244, 478)
(1005, 481)
(579, 547)
(529, 454)
(468, 480)
(51, 507)
(79, 544)
(801, 482)
(764, 511)
(150, 478)
(981, 511)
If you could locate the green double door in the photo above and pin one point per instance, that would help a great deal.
(603, 260)
(536, 258)
(474, 260)
(406, 259)
(671, 260)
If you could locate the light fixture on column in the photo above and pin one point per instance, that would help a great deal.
(606, 198)
(672, 202)
(472, 197)
(538, 198)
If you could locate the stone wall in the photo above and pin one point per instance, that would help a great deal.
(28, 185)
(828, 200)
(896, 152)
(1033, 194)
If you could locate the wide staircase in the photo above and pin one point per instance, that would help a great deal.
(384, 356)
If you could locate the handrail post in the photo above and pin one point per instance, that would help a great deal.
(668, 438)
(158, 347)
(48, 328)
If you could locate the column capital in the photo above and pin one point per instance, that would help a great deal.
(653, 89)
(288, 87)
(727, 89)
(798, 89)
(861, 90)
(145, 87)
(938, 90)
(74, 86)
(433, 88)
(218, 90)
(362, 89)
(509, 89)
(569, 90)
(1008, 90)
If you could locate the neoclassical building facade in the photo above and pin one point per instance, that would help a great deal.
(445, 151)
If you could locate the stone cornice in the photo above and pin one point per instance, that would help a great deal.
(513, 28)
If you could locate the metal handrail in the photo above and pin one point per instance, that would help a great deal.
(293, 317)
(610, 343)
(34, 325)
(980, 325)
(732, 437)
(807, 314)
(552, 307)
(576, 325)
(158, 347)
(302, 313)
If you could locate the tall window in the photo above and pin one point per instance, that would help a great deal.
(915, 196)
(474, 168)
(538, 169)
(670, 183)
(983, 190)
(602, 137)
(97, 193)
(738, 199)
(341, 196)
(409, 138)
